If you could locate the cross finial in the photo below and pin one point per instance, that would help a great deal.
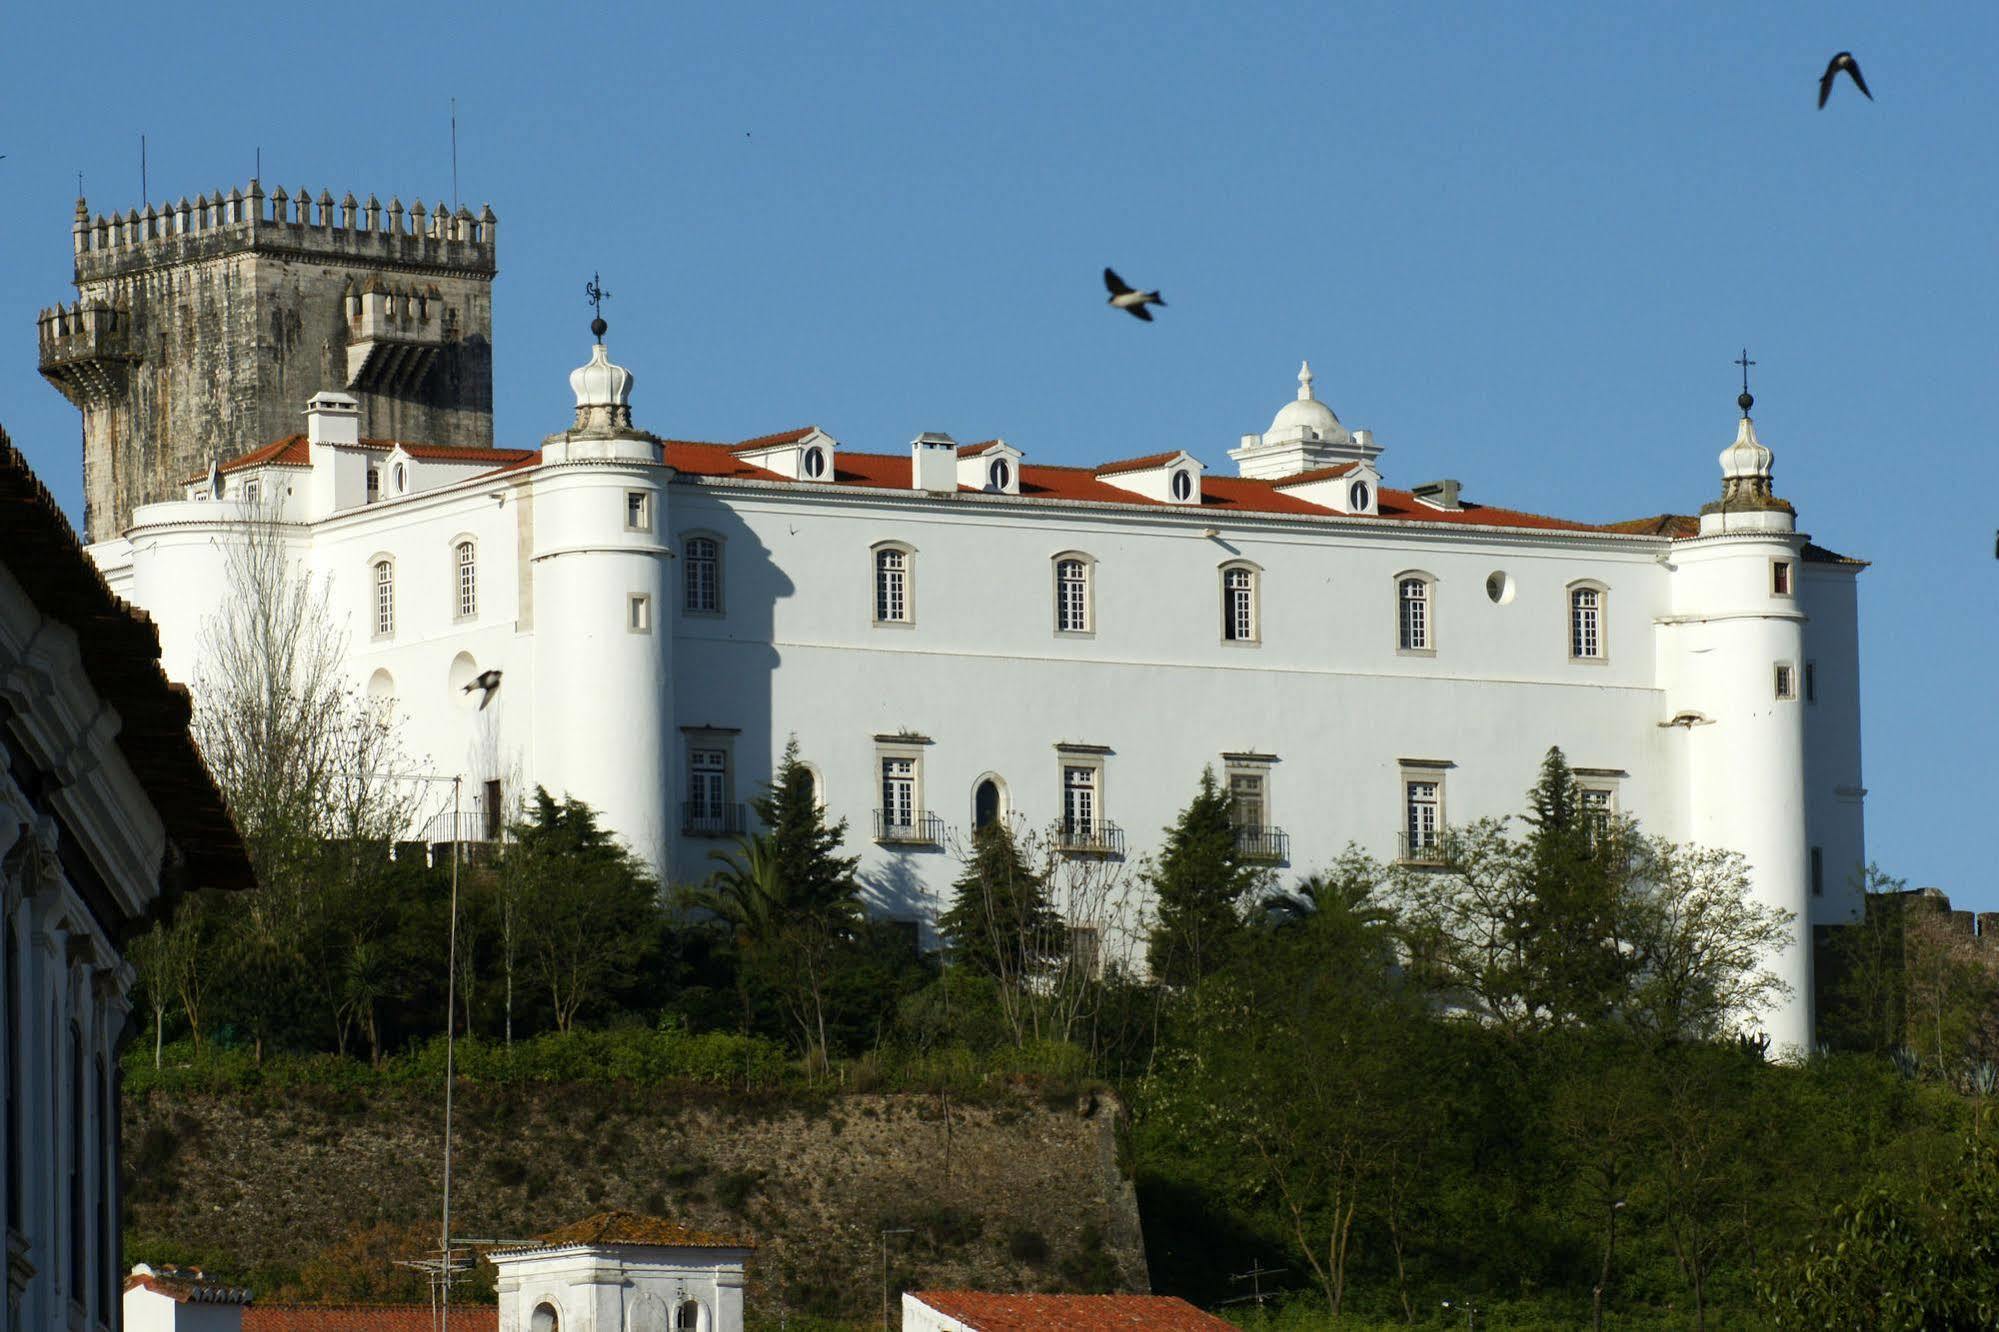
(594, 291)
(1745, 402)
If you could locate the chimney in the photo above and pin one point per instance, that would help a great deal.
(332, 418)
(933, 463)
(1439, 495)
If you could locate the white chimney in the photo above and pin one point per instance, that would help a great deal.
(332, 418)
(933, 464)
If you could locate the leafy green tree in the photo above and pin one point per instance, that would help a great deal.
(805, 847)
(1201, 885)
(592, 907)
(1000, 922)
(1570, 921)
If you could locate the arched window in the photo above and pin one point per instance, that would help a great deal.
(1586, 628)
(988, 802)
(702, 556)
(894, 602)
(687, 1318)
(1074, 613)
(1239, 613)
(1413, 622)
(385, 598)
(468, 580)
(544, 1319)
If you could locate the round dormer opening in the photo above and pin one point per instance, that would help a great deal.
(815, 461)
(1183, 484)
(999, 474)
(1358, 496)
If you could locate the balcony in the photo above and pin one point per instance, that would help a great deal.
(1265, 846)
(1422, 850)
(908, 830)
(1100, 838)
(701, 819)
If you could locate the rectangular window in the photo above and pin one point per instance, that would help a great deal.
(385, 599)
(468, 581)
(1811, 682)
(638, 511)
(638, 613)
(1585, 624)
(892, 587)
(703, 558)
(1422, 818)
(1239, 605)
(1818, 871)
(707, 790)
(1079, 801)
(252, 492)
(899, 804)
(1787, 685)
(1246, 800)
(493, 810)
(374, 484)
(1780, 578)
(1415, 615)
(1597, 807)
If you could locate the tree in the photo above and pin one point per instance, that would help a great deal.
(168, 958)
(805, 847)
(1699, 942)
(1200, 884)
(1570, 918)
(1000, 923)
(591, 907)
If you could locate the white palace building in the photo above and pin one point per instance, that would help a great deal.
(954, 633)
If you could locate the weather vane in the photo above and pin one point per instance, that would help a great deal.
(1745, 402)
(594, 290)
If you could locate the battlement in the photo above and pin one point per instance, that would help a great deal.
(108, 246)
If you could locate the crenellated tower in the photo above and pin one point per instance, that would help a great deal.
(200, 327)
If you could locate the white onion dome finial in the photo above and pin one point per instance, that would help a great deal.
(1747, 458)
(601, 383)
(1305, 417)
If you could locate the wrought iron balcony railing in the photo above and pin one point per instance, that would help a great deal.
(1266, 845)
(701, 819)
(908, 829)
(1420, 849)
(1099, 837)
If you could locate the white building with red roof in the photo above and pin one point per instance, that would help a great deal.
(956, 633)
(984, 1311)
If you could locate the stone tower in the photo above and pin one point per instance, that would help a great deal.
(201, 330)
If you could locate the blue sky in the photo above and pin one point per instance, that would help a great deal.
(1521, 243)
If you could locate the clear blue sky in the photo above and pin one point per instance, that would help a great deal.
(1521, 243)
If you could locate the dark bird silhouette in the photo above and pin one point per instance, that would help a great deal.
(1843, 61)
(1131, 302)
(488, 681)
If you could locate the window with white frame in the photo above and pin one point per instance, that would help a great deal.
(1422, 817)
(900, 804)
(385, 598)
(468, 580)
(1786, 680)
(702, 574)
(1239, 604)
(892, 599)
(638, 613)
(1586, 623)
(1081, 810)
(1599, 807)
(374, 484)
(638, 511)
(1780, 578)
(1412, 596)
(1072, 595)
(1246, 807)
(707, 790)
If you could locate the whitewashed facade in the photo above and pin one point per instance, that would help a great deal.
(956, 630)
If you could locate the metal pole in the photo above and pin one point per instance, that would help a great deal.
(885, 1235)
(450, 1031)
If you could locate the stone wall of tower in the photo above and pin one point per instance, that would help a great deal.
(202, 330)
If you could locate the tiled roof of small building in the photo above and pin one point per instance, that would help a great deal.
(1074, 1313)
(1123, 465)
(1680, 526)
(365, 1318)
(773, 441)
(296, 451)
(186, 1285)
(639, 1229)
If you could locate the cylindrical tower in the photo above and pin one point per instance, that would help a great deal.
(603, 646)
(1732, 663)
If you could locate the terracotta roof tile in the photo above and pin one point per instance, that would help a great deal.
(1136, 464)
(364, 1318)
(295, 451)
(771, 441)
(1074, 1313)
(637, 1228)
(1316, 474)
(187, 1286)
(974, 450)
(1674, 525)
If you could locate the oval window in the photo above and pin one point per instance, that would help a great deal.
(1183, 485)
(1499, 587)
(1357, 497)
(815, 461)
(402, 478)
(1000, 474)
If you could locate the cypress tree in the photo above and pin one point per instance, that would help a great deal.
(1568, 928)
(812, 872)
(1000, 922)
(1200, 883)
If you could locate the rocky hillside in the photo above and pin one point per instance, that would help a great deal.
(318, 1193)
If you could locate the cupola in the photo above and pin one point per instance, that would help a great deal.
(603, 427)
(1304, 436)
(1748, 502)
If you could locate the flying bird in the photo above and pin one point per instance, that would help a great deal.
(1843, 61)
(488, 681)
(1131, 302)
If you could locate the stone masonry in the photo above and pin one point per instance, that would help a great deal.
(201, 329)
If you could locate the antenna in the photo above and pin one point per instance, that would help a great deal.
(1257, 1294)
(258, 174)
(454, 154)
(144, 197)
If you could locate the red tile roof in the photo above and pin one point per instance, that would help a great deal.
(1136, 464)
(1316, 474)
(1682, 525)
(187, 1285)
(1074, 1313)
(974, 450)
(772, 441)
(294, 451)
(365, 1318)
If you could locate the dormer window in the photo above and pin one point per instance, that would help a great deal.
(1358, 497)
(999, 474)
(814, 463)
(402, 478)
(1183, 485)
